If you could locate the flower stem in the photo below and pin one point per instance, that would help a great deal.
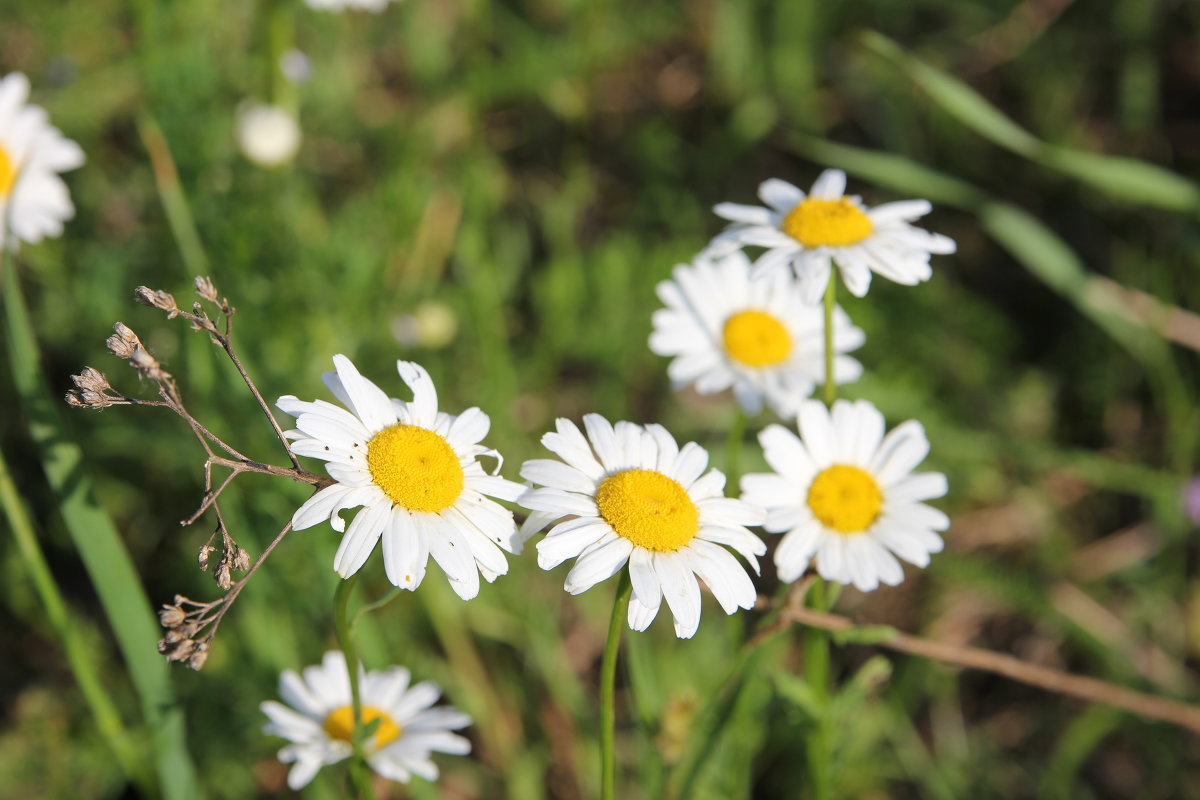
(608, 674)
(360, 772)
(830, 298)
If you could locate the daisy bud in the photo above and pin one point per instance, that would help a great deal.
(124, 342)
(156, 298)
(206, 289)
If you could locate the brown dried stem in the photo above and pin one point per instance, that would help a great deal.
(1052, 680)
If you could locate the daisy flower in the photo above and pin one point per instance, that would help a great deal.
(847, 495)
(634, 496)
(319, 721)
(758, 337)
(33, 200)
(415, 472)
(811, 232)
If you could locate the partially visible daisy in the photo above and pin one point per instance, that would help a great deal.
(846, 495)
(635, 497)
(34, 202)
(759, 337)
(342, 5)
(319, 721)
(416, 473)
(811, 232)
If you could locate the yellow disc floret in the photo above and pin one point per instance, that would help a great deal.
(756, 339)
(649, 509)
(339, 724)
(8, 173)
(829, 223)
(846, 499)
(415, 467)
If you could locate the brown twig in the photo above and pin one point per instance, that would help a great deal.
(1052, 680)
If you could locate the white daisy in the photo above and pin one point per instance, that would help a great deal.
(320, 721)
(341, 5)
(416, 474)
(846, 494)
(34, 202)
(759, 337)
(634, 496)
(810, 232)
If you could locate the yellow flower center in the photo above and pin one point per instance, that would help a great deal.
(415, 467)
(845, 498)
(339, 724)
(756, 339)
(8, 173)
(649, 509)
(832, 223)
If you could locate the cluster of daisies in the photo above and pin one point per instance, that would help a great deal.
(843, 493)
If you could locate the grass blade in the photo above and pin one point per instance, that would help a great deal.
(82, 661)
(1125, 179)
(102, 551)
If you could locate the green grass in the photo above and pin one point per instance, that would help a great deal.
(538, 166)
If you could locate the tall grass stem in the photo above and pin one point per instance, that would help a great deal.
(360, 772)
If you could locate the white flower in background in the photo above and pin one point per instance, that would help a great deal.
(812, 232)
(846, 494)
(758, 337)
(431, 324)
(416, 473)
(634, 496)
(34, 202)
(267, 135)
(341, 5)
(320, 721)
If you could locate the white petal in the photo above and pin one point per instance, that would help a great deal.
(681, 592)
(753, 215)
(405, 552)
(830, 185)
(424, 402)
(780, 195)
(360, 539)
(597, 564)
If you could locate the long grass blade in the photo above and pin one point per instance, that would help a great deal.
(103, 553)
(1125, 179)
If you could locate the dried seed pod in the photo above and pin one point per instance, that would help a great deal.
(206, 289)
(157, 298)
(124, 343)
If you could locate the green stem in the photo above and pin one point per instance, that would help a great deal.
(360, 771)
(830, 299)
(733, 450)
(608, 675)
(818, 745)
(83, 660)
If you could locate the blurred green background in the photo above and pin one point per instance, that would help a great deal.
(536, 167)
